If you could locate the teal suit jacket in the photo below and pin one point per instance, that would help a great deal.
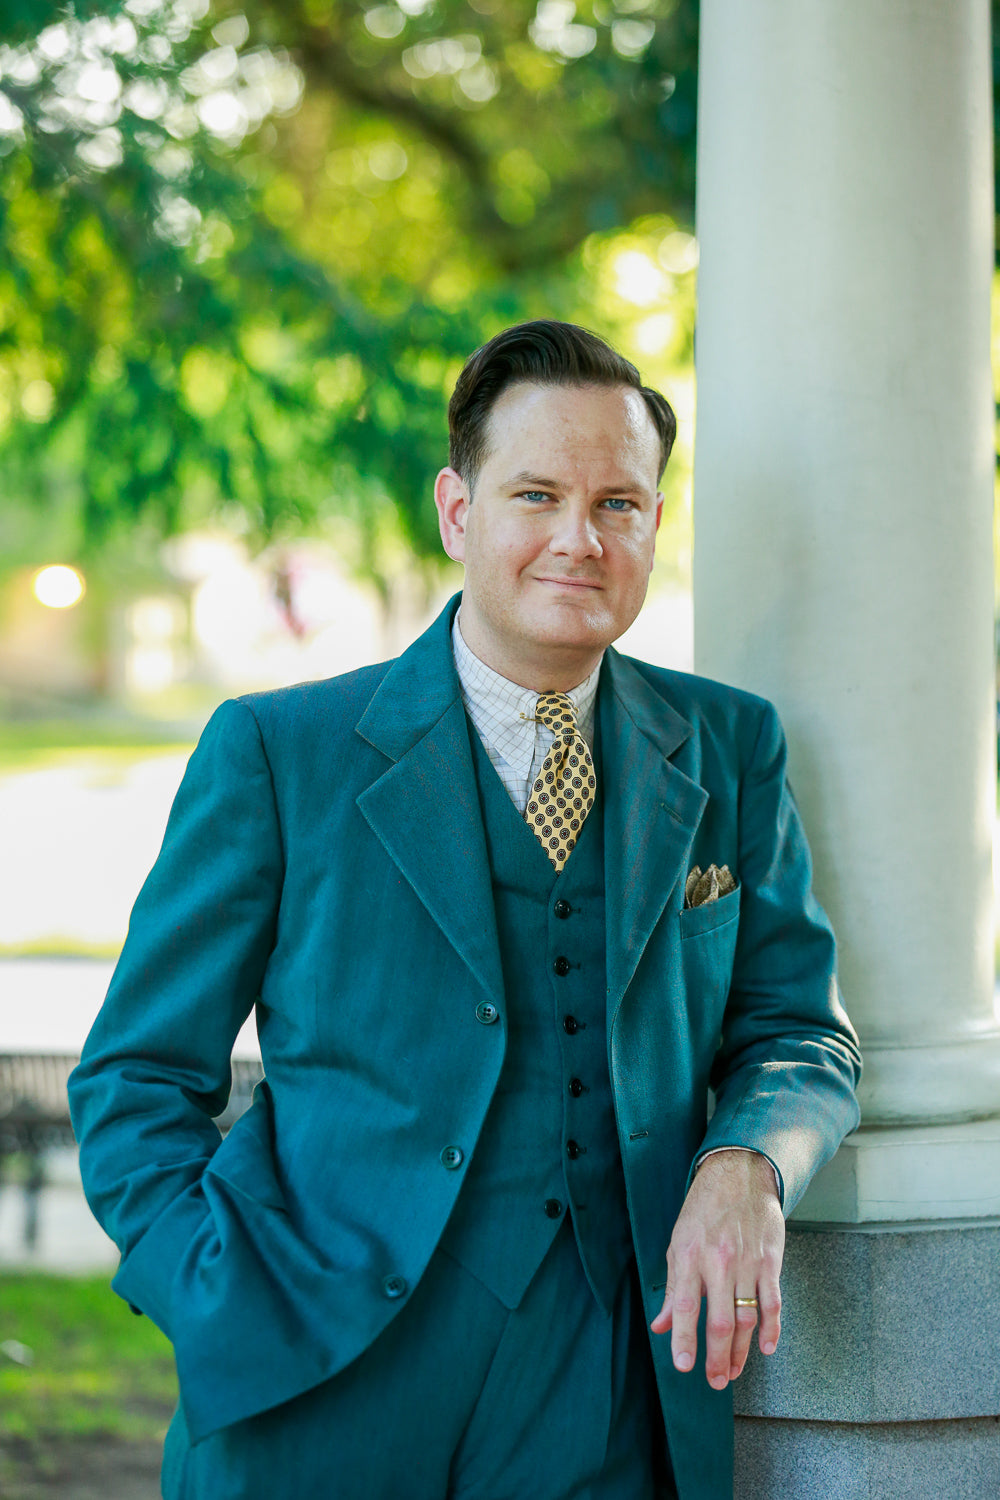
(325, 861)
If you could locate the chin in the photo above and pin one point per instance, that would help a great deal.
(581, 636)
(583, 617)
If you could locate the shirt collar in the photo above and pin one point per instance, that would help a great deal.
(503, 712)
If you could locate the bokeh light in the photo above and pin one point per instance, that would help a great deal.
(58, 586)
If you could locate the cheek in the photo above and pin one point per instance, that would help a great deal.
(635, 559)
(505, 556)
(496, 570)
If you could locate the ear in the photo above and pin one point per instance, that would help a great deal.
(451, 496)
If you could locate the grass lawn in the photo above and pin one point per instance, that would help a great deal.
(34, 746)
(95, 1368)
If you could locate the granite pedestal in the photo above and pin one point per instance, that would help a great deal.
(887, 1379)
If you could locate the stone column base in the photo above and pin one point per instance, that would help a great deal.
(850, 1461)
(909, 1173)
(887, 1381)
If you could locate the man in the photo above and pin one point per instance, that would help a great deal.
(508, 907)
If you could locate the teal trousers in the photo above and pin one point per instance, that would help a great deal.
(459, 1399)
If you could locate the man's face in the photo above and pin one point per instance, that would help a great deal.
(558, 536)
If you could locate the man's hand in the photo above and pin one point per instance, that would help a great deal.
(727, 1243)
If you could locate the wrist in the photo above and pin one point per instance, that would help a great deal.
(743, 1158)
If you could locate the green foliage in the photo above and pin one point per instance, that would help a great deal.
(244, 250)
(546, 122)
(244, 246)
(94, 1366)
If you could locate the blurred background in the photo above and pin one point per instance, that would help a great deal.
(244, 250)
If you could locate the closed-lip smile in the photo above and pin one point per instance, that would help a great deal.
(573, 583)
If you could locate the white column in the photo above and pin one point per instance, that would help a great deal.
(843, 521)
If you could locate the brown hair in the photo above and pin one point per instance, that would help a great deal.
(546, 353)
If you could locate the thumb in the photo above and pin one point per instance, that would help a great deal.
(664, 1320)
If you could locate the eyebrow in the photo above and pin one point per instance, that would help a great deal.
(628, 487)
(525, 477)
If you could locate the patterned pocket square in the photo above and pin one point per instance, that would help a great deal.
(715, 882)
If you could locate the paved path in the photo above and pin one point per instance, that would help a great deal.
(70, 1241)
(79, 839)
(49, 1004)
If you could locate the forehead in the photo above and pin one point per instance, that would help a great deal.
(602, 424)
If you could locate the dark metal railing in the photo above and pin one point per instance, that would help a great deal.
(34, 1116)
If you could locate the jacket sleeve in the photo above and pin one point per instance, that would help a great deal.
(156, 1066)
(788, 1061)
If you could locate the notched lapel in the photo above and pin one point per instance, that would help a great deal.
(651, 814)
(425, 808)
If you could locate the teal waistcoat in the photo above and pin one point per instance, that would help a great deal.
(549, 1145)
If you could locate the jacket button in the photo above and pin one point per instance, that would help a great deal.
(394, 1286)
(562, 966)
(562, 908)
(487, 1013)
(452, 1157)
(570, 1025)
(575, 1087)
(574, 1149)
(553, 1208)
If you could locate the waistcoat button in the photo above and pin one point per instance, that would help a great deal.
(394, 1286)
(570, 1025)
(553, 1208)
(562, 966)
(574, 1149)
(487, 1013)
(452, 1157)
(562, 908)
(575, 1087)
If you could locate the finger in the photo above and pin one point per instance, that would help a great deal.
(663, 1322)
(720, 1333)
(746, 1322)
(684, 1297)
(769, 1293)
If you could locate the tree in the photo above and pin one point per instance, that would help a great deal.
(244, 250)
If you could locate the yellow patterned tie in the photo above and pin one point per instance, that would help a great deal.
(562, 794)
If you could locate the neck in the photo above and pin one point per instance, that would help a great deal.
(547, 672)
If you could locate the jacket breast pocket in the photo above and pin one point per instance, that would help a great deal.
(711, 915)
(708, 951)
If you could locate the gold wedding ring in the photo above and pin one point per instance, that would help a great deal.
(745, 1301)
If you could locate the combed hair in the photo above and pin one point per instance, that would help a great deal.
(546, 353)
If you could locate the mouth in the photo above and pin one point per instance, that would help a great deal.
(569, 583)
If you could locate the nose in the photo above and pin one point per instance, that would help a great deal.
(574, 535)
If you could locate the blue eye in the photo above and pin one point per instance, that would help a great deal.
(534, 495)
(616, 503)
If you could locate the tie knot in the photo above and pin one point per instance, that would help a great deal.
(556, 712)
